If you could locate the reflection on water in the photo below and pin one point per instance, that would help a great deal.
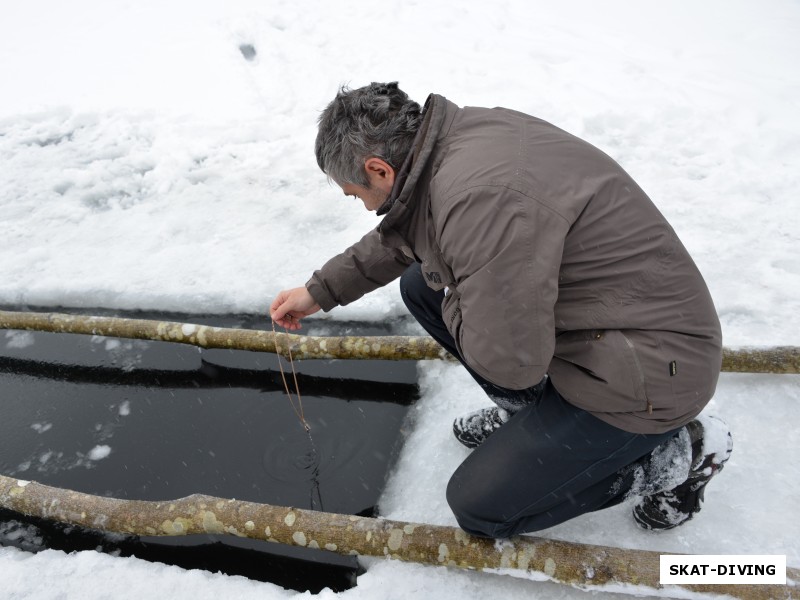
(311, 464)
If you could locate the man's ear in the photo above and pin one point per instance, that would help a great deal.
(379, 173)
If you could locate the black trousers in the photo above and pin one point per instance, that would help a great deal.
(549, 463)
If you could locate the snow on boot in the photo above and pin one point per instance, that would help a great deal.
(711, 444)
(473, 429)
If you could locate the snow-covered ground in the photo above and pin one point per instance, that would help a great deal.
(145, 163)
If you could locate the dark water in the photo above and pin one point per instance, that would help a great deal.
(155, 421)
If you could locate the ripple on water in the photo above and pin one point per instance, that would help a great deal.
(309, 457)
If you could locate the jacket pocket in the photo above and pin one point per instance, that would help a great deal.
(637, 370)
(599, 370)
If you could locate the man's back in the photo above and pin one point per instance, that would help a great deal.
(552, 230)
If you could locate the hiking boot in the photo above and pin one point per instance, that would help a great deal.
(473, 429)
(711, 445)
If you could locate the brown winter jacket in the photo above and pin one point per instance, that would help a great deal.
(555, 261)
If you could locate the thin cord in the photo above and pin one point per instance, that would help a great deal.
(299, 413)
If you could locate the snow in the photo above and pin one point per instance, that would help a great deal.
(19, 339)
(147, 163)
(99, 452)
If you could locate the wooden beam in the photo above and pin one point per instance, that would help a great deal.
(581, 565)
(779, 359)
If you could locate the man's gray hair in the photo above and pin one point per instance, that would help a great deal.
(375, 120)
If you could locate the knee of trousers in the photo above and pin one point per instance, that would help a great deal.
(477, 512)
(410, 281)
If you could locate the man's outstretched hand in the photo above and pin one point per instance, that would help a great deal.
(292, 305)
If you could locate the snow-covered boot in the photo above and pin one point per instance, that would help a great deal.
(473, 429)
(711, 444)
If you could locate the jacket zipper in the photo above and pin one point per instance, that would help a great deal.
(639, 370)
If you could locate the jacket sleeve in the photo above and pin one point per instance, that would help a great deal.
(362, 268)
(504, 249)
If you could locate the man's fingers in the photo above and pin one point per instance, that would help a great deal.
(285, 319)
(290, 306)
(288, 322)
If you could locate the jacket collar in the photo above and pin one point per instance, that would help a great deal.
(403, 201)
